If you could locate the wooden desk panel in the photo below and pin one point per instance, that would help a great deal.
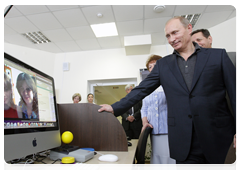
(91, 129)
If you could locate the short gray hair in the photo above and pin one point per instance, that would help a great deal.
(184, 21)
(128, 86)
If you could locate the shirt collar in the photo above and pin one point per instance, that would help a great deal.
(197, 48)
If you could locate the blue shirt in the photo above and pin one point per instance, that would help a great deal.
(25, 115)
(154, 107)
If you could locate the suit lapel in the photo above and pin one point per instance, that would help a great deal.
(202, 57)
(172, 62)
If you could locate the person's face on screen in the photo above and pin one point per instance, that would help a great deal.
(76, 99)
(201, 40)
(7, 97)
(151, 65)
(26, 93)
(90, 98)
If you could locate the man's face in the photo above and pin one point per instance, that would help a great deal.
(129, 90)
(201, 40)
(177, 35)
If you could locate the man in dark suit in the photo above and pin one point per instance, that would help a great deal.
(204, 39)
(131, 120)
(195, 81)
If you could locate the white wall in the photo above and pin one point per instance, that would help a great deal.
(95, 65)
(224, 35)
(104, 64)
(41, 60)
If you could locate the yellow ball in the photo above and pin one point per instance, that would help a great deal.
(67, 137)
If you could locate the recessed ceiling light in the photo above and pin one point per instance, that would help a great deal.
(36, 37)
(192, 18)
(105, 30)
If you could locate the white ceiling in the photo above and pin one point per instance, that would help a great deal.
(68, 26)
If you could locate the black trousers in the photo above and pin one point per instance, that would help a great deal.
(195, 155)
(133, 132)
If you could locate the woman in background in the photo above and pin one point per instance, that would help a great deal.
(76, 98)
(10, 109)
(27, 89)
(154, 115)
(90, 98)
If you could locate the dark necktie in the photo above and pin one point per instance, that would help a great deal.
(130, 111)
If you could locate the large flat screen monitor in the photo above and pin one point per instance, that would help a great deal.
(30, 110)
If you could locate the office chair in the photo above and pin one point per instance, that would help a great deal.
(141, 147)
(231, 161)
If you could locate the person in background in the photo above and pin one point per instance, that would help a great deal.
(76, 98)
(154, 115)
(90, 98)
(27, 89)
(10, 109)
(204, 39)
(195, 80)
(131, 120)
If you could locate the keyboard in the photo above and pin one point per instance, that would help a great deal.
(80, 166)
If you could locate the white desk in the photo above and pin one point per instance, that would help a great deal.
(123, 157)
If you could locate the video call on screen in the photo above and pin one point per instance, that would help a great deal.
(28, 98)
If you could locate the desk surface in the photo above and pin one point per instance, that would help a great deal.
(123, 157)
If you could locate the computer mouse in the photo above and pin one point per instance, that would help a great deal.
(108, 158)
(129, 144)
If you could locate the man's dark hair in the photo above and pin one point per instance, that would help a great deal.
(205, 32)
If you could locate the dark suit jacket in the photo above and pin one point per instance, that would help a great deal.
(204, 105)
(137, 115)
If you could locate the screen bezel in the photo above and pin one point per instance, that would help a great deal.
(32, 129)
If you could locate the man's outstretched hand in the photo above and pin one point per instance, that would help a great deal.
(106, 107)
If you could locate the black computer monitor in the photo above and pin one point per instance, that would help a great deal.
(30, 111)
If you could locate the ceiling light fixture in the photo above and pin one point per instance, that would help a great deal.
(159, 8)
(192, 18)
(36, 37)
(99, 15)
(105, 30)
